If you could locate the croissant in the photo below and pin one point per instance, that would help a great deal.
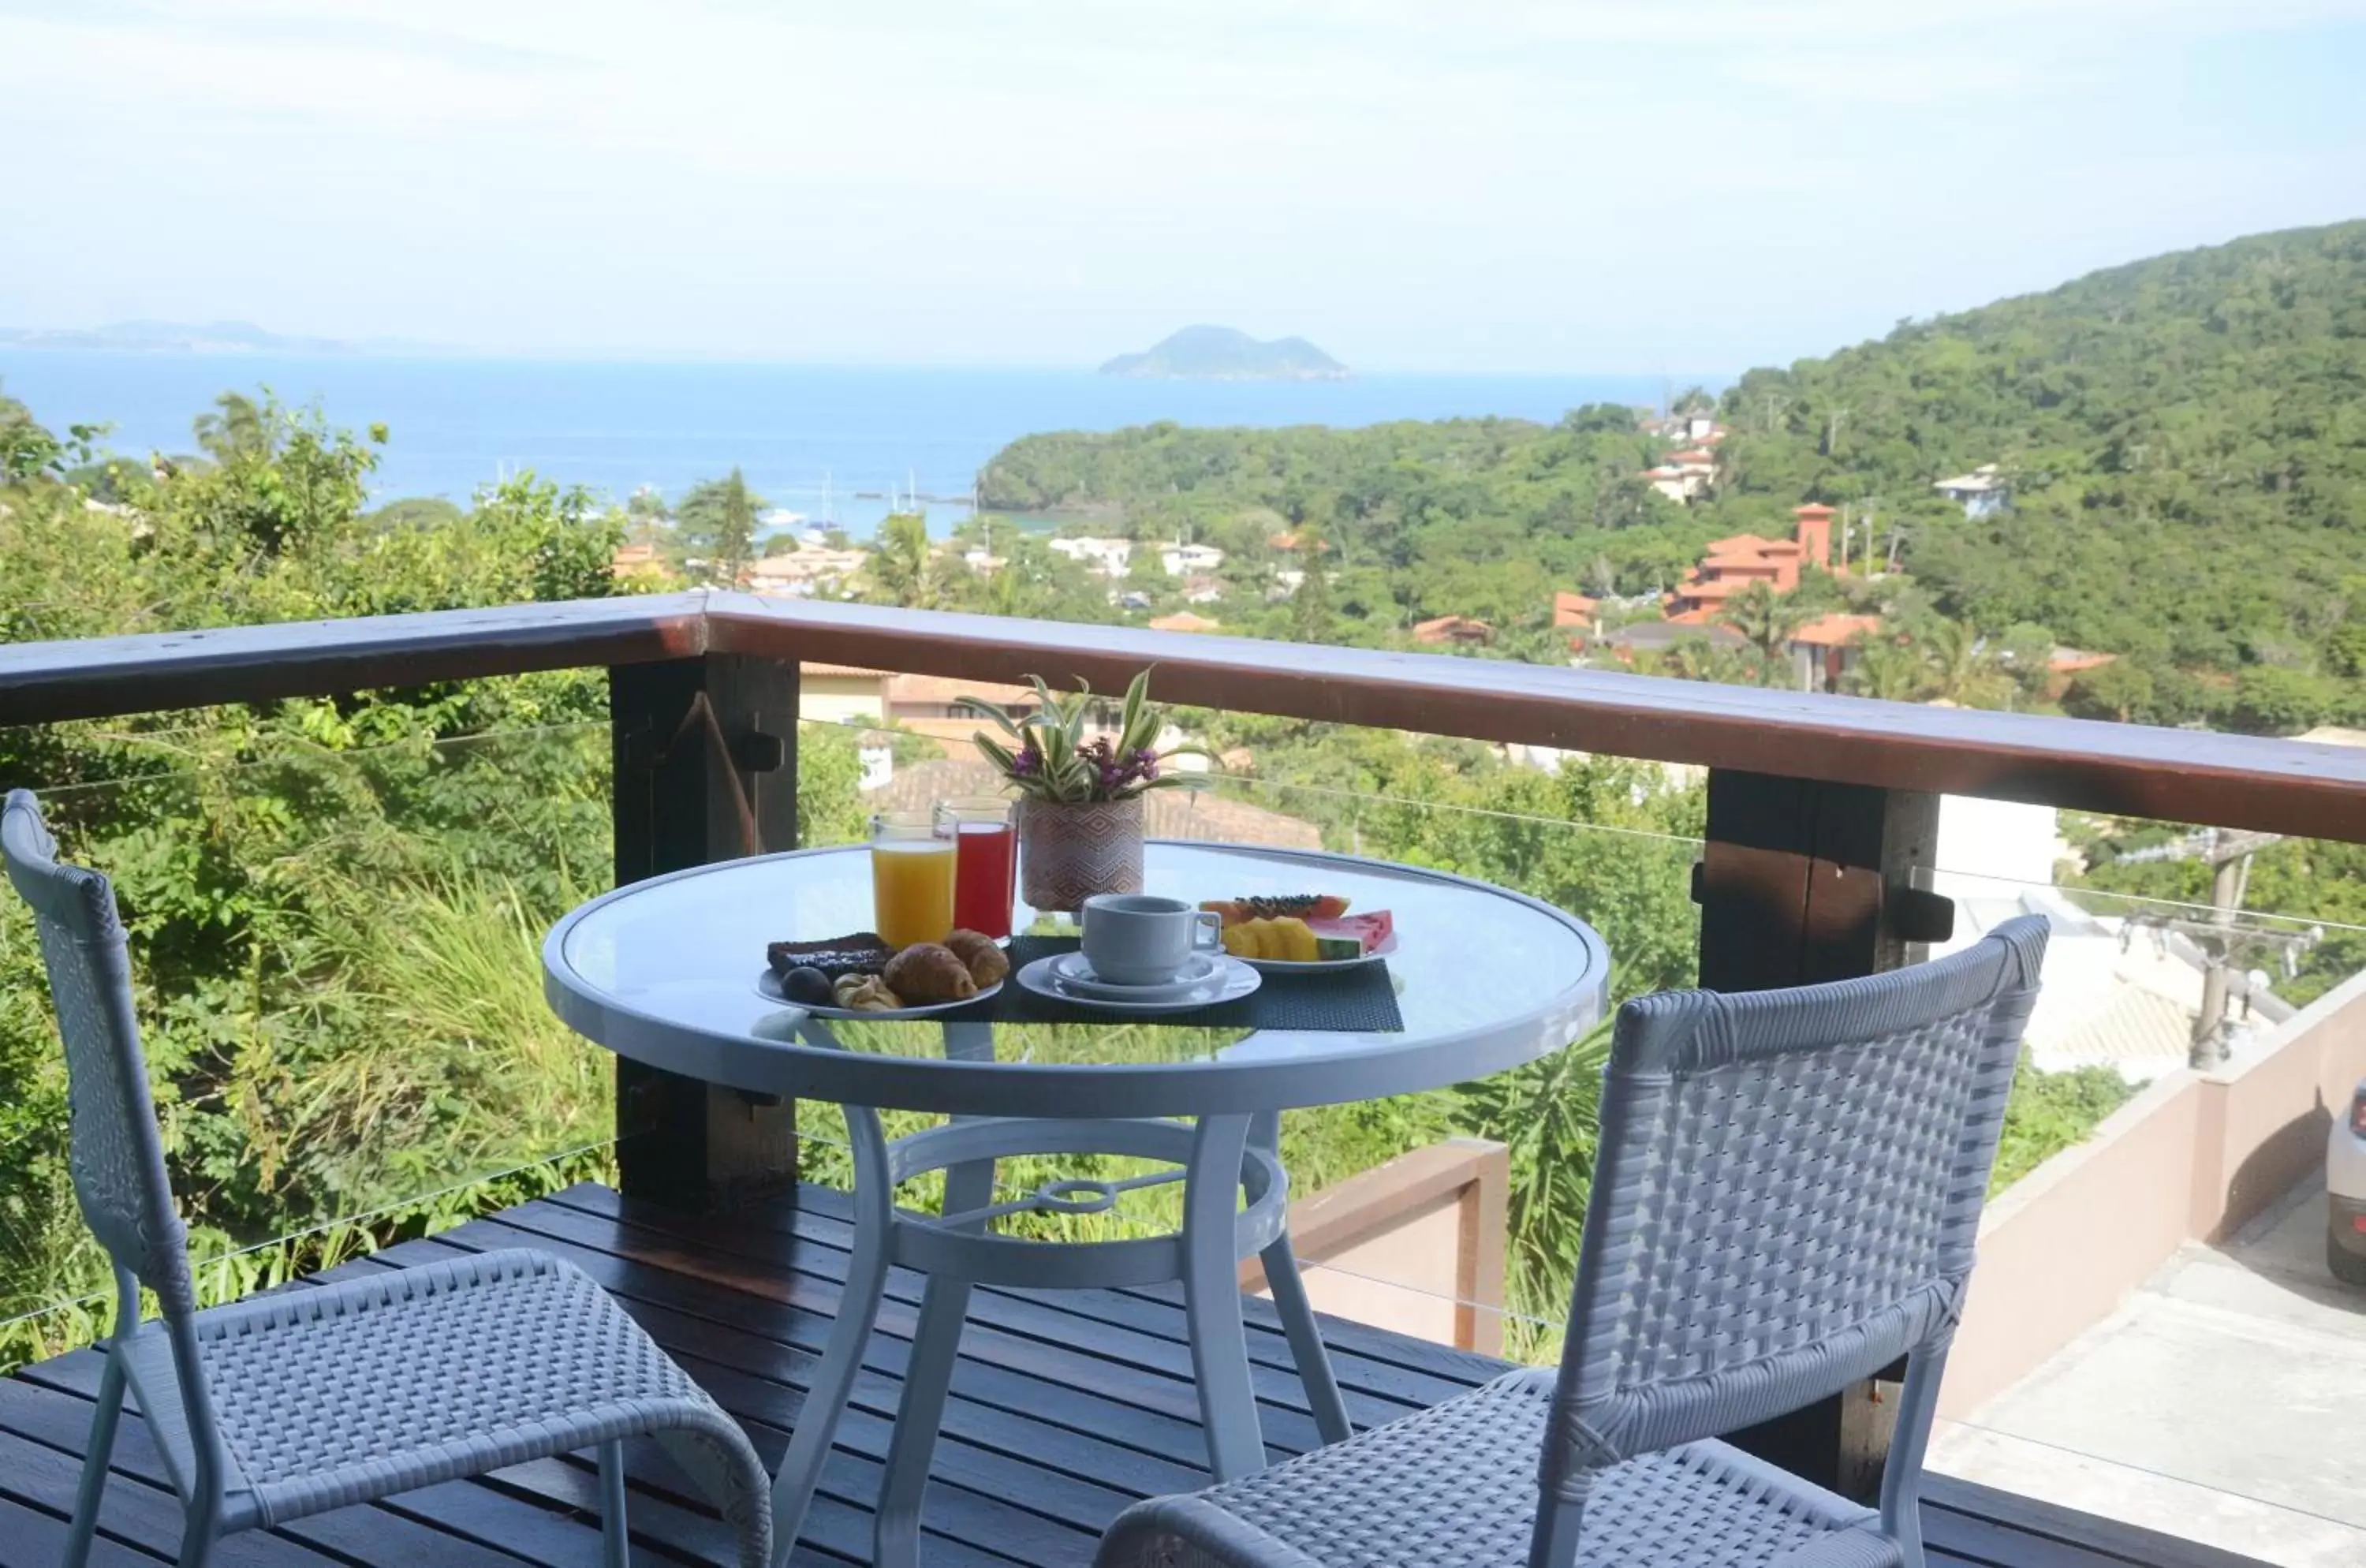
(987, 964)
(928, 972)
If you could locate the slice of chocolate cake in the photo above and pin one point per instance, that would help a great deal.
(857, 952)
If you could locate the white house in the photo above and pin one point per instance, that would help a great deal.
(1980, 493)
(1110, 558)
(1190, 560)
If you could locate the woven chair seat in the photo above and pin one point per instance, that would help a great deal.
(1455, 1486)
(346, 1393)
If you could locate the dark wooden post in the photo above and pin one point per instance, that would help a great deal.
(693, 786)
(1803, 881)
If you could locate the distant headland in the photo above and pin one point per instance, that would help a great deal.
(206, 337)
(1225, 354)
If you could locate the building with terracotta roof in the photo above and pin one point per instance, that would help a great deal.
(1460, 630)
(631, 561)
(1574, 611)
(1825, 649)
(1729, 566)
(1184, 621)
(2067, 664)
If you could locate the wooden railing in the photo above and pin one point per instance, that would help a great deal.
(2230, 780)
(1822, 810)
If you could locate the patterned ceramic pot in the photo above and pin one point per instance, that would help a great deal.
(1070, 850)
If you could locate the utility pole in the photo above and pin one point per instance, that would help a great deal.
(1832, 430)
(2230, 877)
(2225, 944)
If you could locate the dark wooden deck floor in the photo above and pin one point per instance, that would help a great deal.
(1066, 1406)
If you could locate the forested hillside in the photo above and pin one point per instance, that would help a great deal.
(2184, 439)
(1459, 516)
(2186, 442)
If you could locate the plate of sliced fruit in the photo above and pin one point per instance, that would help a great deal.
(1302, 933)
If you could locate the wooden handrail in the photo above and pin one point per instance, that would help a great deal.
(2175, 774)
(45, 683)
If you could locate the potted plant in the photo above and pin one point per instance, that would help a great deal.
(1079, 801)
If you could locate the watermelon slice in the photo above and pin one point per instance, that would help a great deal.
(1352, 936)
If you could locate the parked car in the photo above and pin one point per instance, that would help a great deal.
(2345, 1192)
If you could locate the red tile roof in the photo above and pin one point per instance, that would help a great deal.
(1836, 631)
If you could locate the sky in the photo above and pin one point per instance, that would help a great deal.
(1564, 187)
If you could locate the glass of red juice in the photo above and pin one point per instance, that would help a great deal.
(985, 862)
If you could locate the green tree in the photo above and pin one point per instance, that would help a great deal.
(1964, 669)
(334, 903)
(647, 519)
(1767, 621)
(2270, 700)
(1312, 616)
(901, 568)
(2026, 650)
(1891, 671)
(237, 429)
(2122, 690)
(717, 523)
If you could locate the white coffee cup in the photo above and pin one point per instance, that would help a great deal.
(1141, 939)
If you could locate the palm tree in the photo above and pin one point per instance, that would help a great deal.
(1889, 670)
(1965, 669)
(899, 562)
(1701, 658)
(1767, 621)
(236, 429)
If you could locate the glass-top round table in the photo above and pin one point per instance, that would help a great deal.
(665, 971)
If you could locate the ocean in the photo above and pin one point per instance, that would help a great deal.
(822, 441)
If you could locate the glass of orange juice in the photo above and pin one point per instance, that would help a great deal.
(911, 877)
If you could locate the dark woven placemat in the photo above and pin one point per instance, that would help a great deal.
(1355, 1001)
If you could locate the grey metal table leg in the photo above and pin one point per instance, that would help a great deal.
(1212, 1295)
(858, 1308)
(936, 1344)
(926, 1377)
(1306, 1348)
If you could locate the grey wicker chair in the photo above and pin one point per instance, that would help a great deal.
(1785, 1202)
(272, 1409)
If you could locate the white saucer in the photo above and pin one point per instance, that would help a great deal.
(1075, 974)
(1230, 981)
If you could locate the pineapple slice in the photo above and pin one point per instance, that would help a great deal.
(1292, 939)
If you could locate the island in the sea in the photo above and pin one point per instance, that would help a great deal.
(1225, 354)
(209, 337)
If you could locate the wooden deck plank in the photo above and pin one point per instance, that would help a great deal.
(1067, 1405)
(1371, 1359)
(1147, 1333)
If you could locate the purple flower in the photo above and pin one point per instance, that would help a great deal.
(1027, 765)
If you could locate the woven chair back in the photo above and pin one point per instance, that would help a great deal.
(118, 1158)
(1785, 1196)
